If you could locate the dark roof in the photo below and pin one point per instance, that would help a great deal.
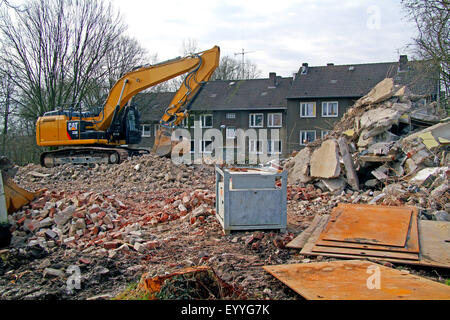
(358, 79)
(152, 105)
(421, 78)
(243, 94)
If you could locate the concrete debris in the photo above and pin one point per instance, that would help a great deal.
(299, 167)
(325, 161)
(381, 92)
(334, 185)
(379, 144)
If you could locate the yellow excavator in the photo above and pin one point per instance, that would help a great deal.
(104, 137)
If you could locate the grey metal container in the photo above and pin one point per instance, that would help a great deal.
(248, 199)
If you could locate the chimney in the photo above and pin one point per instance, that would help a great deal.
(403, 63)
(272, 80)
(330, 64)
(304, 69)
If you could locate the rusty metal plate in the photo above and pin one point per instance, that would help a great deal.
(412, 242)
(367, 253)
(355, 280)
(378, 225)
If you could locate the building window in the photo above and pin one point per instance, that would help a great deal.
(274, 146)
(231, 115)
(207, 146)
(255, 146)
(193, 148)
(274, 120)
(324, 133)
(231, 133)
(307, 136)
(307, 110)
(146, 130)
(256, 120)
(330, 109)
(188, 122)
(207, 120)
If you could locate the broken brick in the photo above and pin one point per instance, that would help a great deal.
(111, 245)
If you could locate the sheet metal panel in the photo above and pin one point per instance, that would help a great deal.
(356, 280)
(412, 242)
(378, 225)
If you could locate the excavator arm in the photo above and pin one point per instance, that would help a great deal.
(200, 67)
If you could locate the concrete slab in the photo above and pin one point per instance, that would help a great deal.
(325, 161)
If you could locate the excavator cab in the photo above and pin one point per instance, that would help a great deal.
(126, 126)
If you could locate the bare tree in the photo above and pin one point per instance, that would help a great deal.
(7, 91)
(189, 46)
(232, 69)
(433, 38)
(126, 54)
(8, 4)
(57, 49)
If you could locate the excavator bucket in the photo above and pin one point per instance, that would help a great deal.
(16, 197)
(164, 144)
(12, 196)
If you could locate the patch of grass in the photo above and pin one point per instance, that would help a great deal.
(133, 292)
(447, 282)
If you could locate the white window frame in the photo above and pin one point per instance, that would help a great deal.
(252, 145)
(323, 133)
(143, 131)
(270, 120)
(253, 116)
(203, 146)
(271, 146)
(306, 132)
(231, 115)
(185, 122)
(202, 120)
(302, 114)
(156, 127)
(229, 136)
(325, 109)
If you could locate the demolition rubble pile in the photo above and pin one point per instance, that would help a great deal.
(107, 206)
(88, 221)
(138, 174)
(380, 146)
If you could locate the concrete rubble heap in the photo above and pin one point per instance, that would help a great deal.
(381, 147)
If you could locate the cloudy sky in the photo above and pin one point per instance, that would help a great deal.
(279, 35)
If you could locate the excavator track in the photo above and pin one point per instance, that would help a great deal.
(88, 155)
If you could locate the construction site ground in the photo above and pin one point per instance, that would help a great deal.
(169, 242)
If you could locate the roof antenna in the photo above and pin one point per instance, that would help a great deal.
(243, 62)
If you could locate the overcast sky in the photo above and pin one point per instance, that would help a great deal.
(279, 35)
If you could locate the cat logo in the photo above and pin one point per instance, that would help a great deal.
(72, 126)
